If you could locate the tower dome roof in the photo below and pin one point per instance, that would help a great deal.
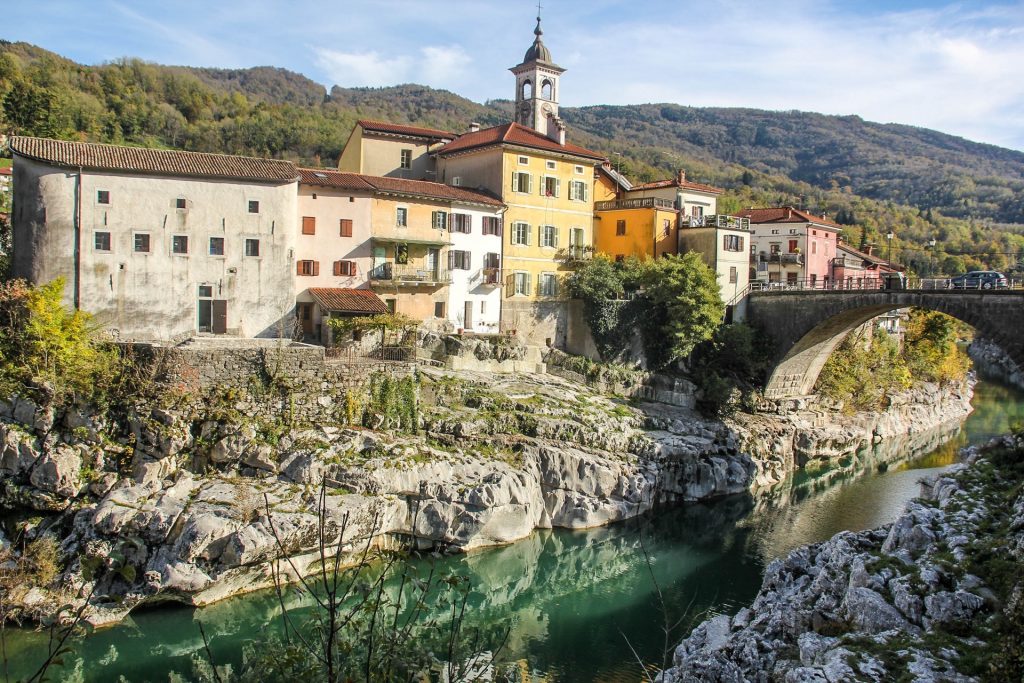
(538, 52)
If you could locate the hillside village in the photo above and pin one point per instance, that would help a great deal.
(470, 231)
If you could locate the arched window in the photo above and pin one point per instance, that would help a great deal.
(527, 90)
(546, 89)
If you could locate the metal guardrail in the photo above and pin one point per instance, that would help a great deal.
(879, 283)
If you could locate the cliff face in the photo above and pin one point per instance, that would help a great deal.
(930, 597)
(199, 501)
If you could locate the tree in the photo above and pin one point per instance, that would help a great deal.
(684, 290)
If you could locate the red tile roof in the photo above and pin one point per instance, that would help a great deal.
(685, 185)
(870, 258)
(420, 188)
(398, 129)
(6, 170)
(348, 300)
(156, 161)
(323, 177)
(785, 214)
(515, 134)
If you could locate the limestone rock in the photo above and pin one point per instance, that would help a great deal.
(59, 472)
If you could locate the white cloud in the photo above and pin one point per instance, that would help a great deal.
(439, 67)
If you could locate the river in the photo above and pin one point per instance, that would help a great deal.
(576, 602)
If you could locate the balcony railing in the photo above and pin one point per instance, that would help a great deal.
(640, 203)
(778, 257)
(490, 277)
(409, 274)
(575, 253)
(715, 221)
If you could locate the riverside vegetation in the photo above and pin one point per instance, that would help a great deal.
(124, 490)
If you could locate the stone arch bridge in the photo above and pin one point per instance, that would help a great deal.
(807, 325)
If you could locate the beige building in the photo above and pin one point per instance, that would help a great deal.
(378, 148)
(724, 244)
(158, 244)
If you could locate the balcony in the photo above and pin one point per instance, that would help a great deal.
(490, 277)
(575, 253)
(784, 259)
(641, 203)
(715, 221)
(408, 275)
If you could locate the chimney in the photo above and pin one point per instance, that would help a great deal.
(789, 212)
(561, 135)
(680, 177)
(869, 249)
(474, 127)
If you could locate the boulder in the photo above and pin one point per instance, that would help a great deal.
(59, 472)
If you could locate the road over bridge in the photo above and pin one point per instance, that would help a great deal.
(807, 325)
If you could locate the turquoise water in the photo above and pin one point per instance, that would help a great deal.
(572, 600)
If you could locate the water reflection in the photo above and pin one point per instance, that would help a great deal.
(571, 598)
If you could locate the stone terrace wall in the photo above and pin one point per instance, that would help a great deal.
(265, 380)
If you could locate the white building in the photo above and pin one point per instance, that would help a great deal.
(158, 244)
(474, 261)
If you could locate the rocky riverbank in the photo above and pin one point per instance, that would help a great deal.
(935, 596)
(992, 361)
(198, 502)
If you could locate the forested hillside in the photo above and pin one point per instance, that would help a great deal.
(921, 184)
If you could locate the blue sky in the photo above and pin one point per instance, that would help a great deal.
(956, 67)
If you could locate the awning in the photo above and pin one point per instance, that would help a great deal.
(341, 300)
(408, 240)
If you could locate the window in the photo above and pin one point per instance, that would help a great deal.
(578, 170)
(439, 219)
(620, 227)
(206, 291)
(216, 246)
(102, 196)
(775, 248)
(524, 161)
(492, 260)
(402, 217)
(520, 233)
(254, 206)
(307, 268)
(814, 279)
(141, 242)
(308, 225)
(548, 284)
(345, 226)
(492, 225)
(180, 203)
(521, 181)
(406, 161)
(179, 244)
(793, 246)
(666, 228)
(578, 190)
(391, 304)
(252, 247)
(732, 242)
(550, 165)
(347, 268)
(619, 258)
(697, 211)
(551, 186)
(521, 283)
(101, 241)
(461, 222)
(458, 260)
(791, 278)
(402, 254)
(814, 247)
(734, 276)
(438, 309)
(549, 236)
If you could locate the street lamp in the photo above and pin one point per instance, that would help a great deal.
(889, 235)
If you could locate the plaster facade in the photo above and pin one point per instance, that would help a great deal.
(474, 295)
(726, 250)
(149, 251)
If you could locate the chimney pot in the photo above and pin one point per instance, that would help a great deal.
(681, 176)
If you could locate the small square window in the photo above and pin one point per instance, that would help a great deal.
(438, 309)
(179, 244)
(179, 203)
(216, 246)
(551, 165)
(524, 161)
(101, 241)
(254, 206)
(103, 196)
(141, 242)
(252, 247)
(206, 291)
(578, 170)
(402, 217)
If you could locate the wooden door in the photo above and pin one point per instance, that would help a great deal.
(467, 322)
(306, 318)
(220, 316)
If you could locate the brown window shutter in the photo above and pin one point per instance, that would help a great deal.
(308, 225)
(337, 268)
(316, 268)
(298, 267)
(346, 227)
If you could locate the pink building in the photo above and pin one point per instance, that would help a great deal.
(791, 246)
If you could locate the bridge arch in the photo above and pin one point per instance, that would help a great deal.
(807, 326)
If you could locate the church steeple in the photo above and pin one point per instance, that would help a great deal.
(537, 89)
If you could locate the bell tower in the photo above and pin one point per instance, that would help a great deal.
(537, 83)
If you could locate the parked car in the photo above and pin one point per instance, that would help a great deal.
(978, 279)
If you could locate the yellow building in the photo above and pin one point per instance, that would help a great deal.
(379, 148)
(547, 185)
